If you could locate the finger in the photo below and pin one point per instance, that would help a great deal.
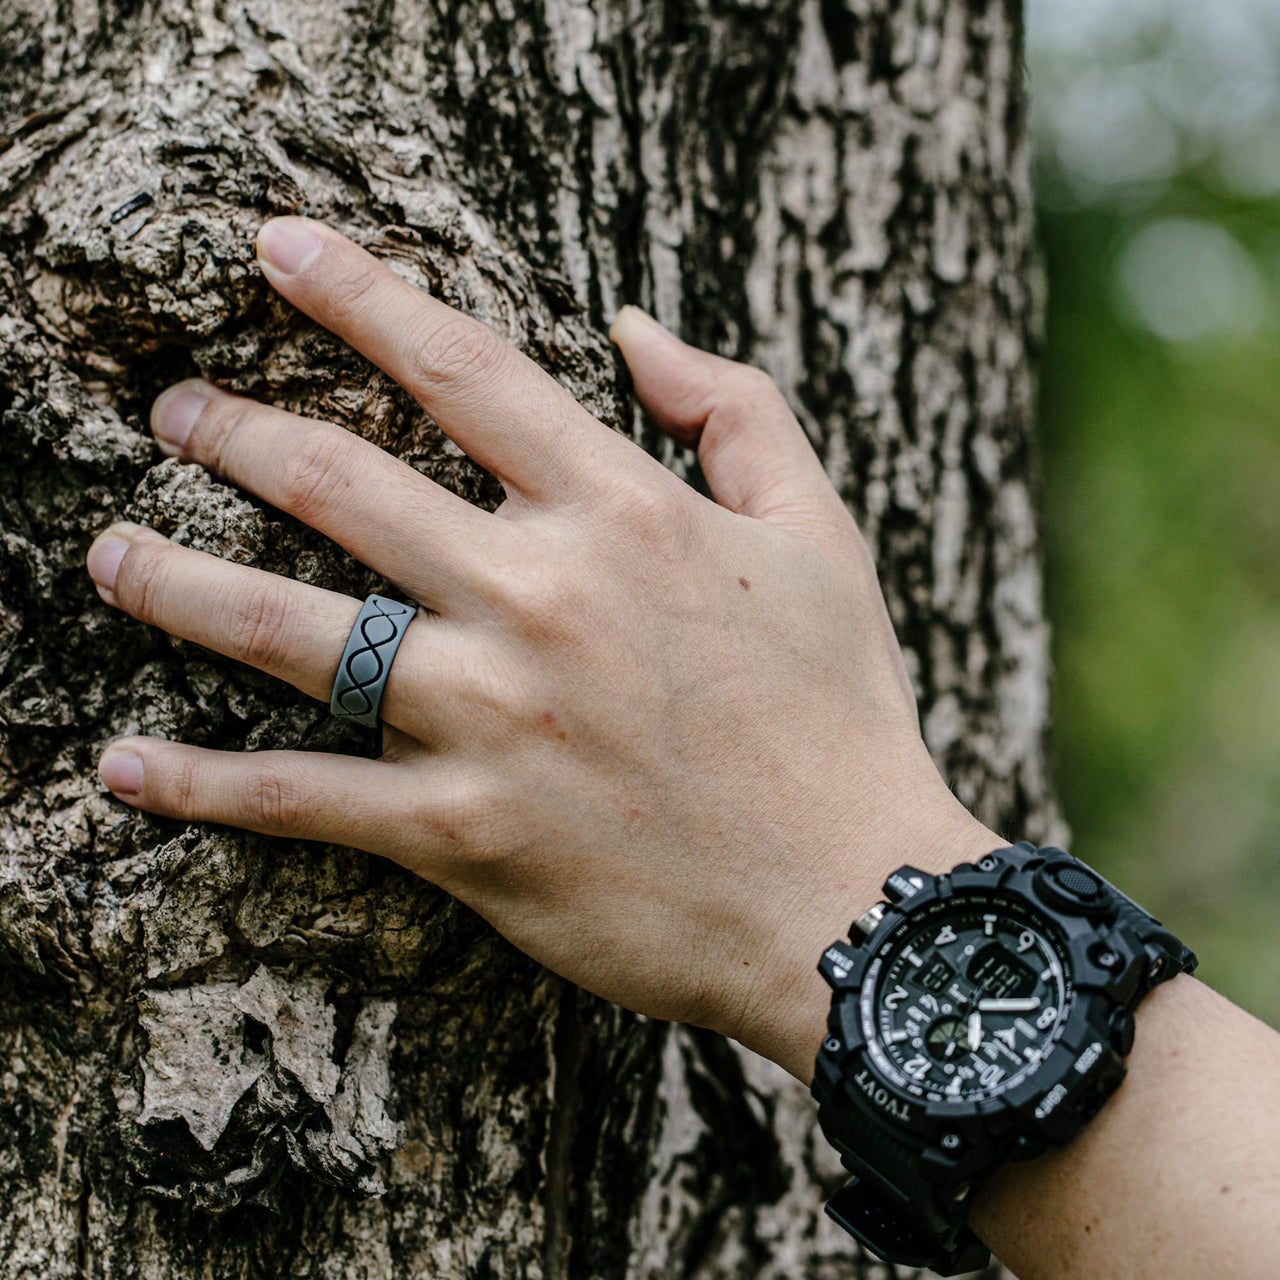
(499, 407)
(419, 535)
(301, 795)
(755, 455)
(286, 628)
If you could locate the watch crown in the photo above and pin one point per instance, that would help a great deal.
(867, 921)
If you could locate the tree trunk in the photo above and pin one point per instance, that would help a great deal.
(225, 1056)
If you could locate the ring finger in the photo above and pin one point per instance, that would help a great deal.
(285, 628)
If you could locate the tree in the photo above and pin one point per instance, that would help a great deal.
(228, 1056)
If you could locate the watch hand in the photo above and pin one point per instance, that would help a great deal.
(975, 1030)
(1025, 1005)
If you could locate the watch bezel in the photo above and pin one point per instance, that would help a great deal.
(1079, 1058)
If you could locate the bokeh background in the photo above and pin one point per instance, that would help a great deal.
(1157, 131)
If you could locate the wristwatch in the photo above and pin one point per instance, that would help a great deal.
(976, 1017)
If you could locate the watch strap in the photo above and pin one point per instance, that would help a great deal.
(892, 1204)
(889, 1205)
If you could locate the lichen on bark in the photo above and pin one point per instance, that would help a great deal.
(232, 1056)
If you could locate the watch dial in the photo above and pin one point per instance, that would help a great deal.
(964, 999)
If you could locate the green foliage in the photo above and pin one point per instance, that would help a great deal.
(1161, 430)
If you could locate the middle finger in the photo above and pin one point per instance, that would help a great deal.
(504, 411)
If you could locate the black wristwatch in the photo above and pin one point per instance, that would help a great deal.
(976, 1017)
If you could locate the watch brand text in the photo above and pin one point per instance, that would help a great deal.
(881, 1096)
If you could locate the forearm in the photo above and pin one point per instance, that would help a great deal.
(1178, 1174)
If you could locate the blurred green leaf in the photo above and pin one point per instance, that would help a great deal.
(1161, 429)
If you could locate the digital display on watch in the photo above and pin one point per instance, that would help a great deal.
(1000, 973)
(936, 975)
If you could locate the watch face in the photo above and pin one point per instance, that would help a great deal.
(965, 998)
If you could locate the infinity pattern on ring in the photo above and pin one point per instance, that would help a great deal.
(366, 660)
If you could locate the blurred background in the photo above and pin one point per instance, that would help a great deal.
(1157, 128)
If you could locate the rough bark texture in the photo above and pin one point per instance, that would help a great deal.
(226, 1056)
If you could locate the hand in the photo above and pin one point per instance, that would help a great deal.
(974, 1038)
(665, 745)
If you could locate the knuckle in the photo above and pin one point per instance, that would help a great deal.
(747, 384)
(141, 577)
(314, 470)
(456, 351)
(257, 624)
(220, 425)
(274, 801)
(747, 393)
(651, 511)
(551, 609)
(182, 785)
(471, 826)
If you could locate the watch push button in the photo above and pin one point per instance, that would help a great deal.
(837, 961)
(1069, 884)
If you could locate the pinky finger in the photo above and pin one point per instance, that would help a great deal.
(303, 795)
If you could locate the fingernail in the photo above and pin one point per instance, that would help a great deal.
(629, 317)
(103, 560)
(121, 770)
(287, 245)
(173, 415)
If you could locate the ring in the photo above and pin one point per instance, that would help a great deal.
(366, 661)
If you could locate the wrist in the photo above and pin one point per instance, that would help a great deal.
(785, 1015)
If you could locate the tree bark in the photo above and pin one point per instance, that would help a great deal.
(233, 1057)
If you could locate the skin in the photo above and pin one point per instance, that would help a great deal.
(666, 745)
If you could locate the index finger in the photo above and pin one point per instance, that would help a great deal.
(499, 407)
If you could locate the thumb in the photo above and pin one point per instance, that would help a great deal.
(752, 450)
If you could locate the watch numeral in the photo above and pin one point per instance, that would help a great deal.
(1047, 1015)
(1026, 940)
(948, 934)
(991, 1076)
(895, 997)
(918, 1067)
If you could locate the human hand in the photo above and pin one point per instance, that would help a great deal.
(666, 745)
